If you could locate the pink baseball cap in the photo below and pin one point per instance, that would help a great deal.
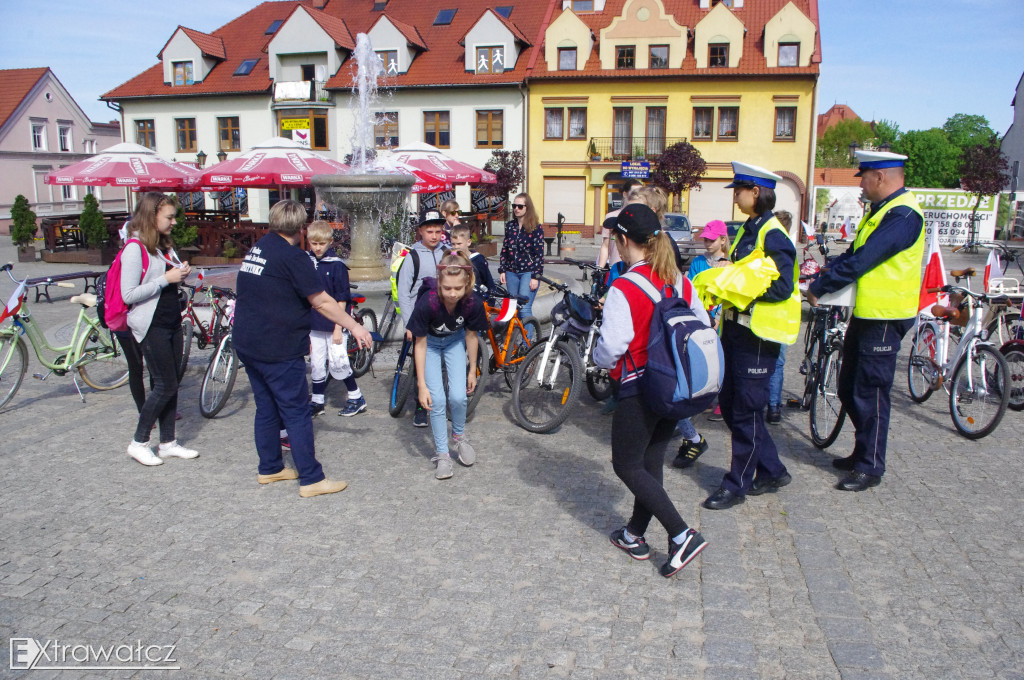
(714, 229)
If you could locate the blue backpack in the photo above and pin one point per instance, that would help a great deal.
(685, 365)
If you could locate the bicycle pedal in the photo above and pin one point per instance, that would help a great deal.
(39, 376)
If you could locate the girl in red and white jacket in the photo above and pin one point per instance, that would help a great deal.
(639, 437)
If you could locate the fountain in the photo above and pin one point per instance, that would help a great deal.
(369, 197)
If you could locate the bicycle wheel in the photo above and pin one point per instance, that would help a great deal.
(103, 365)
(827, 412)
(362, 358)
(387, 322)
(599, 382)
(1014, 355)
(402, 384)
(518, 346)
(809, 367)
(922, 364)
(219, 379)
(546, 389)
(979, 392)
(1005, 327)
(186, 346)
(13, 366)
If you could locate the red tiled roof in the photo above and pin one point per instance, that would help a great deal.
(209, 45)
(509, 24)
(15, 84)
(836, 114)
(836, 177)
(334, 27)
(410, 32)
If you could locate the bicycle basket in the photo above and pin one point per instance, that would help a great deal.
(580, 310)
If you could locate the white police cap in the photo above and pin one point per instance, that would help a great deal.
(876, 160)
(745, 175)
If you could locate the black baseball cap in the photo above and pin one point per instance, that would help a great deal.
(638, 223)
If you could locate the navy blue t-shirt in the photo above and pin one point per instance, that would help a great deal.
(430, 317)
(272, 314)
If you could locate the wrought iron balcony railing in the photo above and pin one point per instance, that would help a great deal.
(630, 148)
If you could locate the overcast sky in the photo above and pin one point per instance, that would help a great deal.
(916, 62)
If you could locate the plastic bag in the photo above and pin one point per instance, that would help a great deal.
(337, 359)
(745, 280)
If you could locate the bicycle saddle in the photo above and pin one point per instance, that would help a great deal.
(85, 299)
(962, 273)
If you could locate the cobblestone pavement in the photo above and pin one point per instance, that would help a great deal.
(504, 570)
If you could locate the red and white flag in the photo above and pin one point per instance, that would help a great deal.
(846, 230)
(808, 229)
(934, 276)
(507, 311)
(14, 303)
(993, 268)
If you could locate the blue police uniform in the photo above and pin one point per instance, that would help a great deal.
(870, 346)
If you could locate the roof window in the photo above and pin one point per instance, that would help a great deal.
(444, 17)
(272, 29)
(246, 67)
(504, 10)
(380, 6)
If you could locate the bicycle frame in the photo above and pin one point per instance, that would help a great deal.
(500, 352)
(68, 358)
(971, 337)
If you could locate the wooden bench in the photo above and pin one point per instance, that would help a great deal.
(47, 281)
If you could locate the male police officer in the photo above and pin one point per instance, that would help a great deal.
(885, 262)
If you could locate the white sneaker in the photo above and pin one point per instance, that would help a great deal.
(176, 450)
(143, 454)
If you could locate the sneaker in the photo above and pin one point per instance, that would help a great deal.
(689, 452)
(463, 451)
(716, 415)
(282, 476)
(637, 549)
(143, 454)
(679, 555)
(609, 406)
(286, 443)
(317, 408)
(353, 407)
(421, 418)
(175, 450)
(444, 466)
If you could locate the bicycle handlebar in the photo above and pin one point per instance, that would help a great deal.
(983, 297)
(586, 265)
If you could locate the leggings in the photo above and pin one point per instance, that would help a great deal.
(639, 440)
(161, 349)
(133, 355)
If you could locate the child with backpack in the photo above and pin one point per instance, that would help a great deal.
(420, 263)
(445, 322)
(333, 274)
(639, 435)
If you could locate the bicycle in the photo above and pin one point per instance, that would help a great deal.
(405, 379)
(92, 351)
(209, 333)
(361, 358)
(821, 380)
(388, 322)
(552, 373)
(219, 378)
(512, 341)
(978, 372)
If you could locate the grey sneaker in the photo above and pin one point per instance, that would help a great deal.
(463, 450)
(444, 466)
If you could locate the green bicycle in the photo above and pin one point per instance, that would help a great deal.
(92, 351)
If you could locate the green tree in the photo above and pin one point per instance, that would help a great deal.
(887, 132)
(679, 168)
(965, 130)
(932, 160)
(834, 147)
(822, 198)
(92, 224)
(23, 222)
(182, 234)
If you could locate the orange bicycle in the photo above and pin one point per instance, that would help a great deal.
(508, 334)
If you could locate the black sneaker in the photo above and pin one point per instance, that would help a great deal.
(679, 555)
(637, 549)
(286, 443)
(421, 418)
(689, 452)
(316, 408)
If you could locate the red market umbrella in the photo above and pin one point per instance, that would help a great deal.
(427, 158)
(125, 165)
(275, 162)
(426, 183)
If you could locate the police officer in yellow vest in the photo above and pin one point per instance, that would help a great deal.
(751, 340)
(885, 261)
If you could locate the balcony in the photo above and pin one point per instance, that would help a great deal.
(301, 92)
(630, 148)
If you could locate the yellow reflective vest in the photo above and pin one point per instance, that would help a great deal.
(890, 290)
(775, 321)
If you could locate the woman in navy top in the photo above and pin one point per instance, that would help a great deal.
(522, 252)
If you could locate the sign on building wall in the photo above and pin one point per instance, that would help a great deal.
(636, 169)
(950, 212)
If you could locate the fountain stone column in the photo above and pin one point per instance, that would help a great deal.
(369, 200)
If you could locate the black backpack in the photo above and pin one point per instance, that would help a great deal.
(101, 296)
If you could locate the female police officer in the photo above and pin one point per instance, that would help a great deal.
(751, 339)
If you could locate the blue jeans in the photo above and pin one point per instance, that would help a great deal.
(452, 350)
(687, 429)
(519, 284)
(775, 384)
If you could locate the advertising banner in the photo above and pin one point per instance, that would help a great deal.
(949, 211)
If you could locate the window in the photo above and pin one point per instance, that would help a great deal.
(182, 73)
(566, 58)
(789, 54)
(308, 71)
(307, 126)
(246, 67)
(625, 56)
(490, 59)
(186, 132)
(659, 56)
(622, 129)
(703, 122)
(389, 58)
(385, 130)
(582, 5)
(728, 122)
(504, 10)
(380, 6)
(489, 129)
(145, 135)
(444, 17)
(785, 123)
(68, 192)
(718, 55)
(272, 28)
(38, 136)
(64, 137)
(230, 138)
(655, 142)
(577, 123)
(553, 123)
(319, 136)
(436, 129)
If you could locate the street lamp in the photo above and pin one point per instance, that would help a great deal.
(222, 156)
(853, 149)
(886, 147)
(201, 158)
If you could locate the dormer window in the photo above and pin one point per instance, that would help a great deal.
(444, 17)
(718, 55)
(659, 56)
(566, 58)
(380, 6)
(389, 58)
(490, 60)
(625, 56)
(789, 54)
(272, 28)
(182, 73)
(582, 5)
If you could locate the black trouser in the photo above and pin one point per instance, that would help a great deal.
(161, 349)
(133, 355)
(639, 440)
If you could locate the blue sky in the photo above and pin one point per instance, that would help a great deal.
(916, 62)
